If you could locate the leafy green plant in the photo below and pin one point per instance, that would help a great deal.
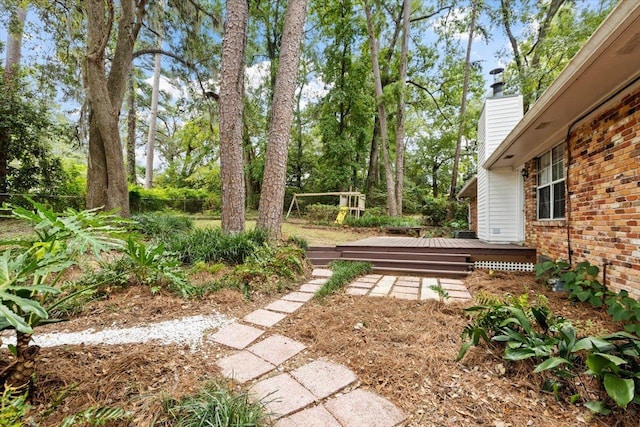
(159, 224)
(368, 221)
(217, 405)
(321, 213)
(343, 273)
(97, 416)
(31, 269)
(584, 286)
(623, 308)
(13, 407)
(442, 293)
(212, 245)
(550, 269)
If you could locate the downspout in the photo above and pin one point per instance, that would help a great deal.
(570, 158)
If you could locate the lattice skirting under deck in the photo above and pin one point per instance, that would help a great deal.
(504, 266)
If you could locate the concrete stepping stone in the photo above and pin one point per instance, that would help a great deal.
(324, 378)
(360, 284)
(317, 416)
(401, 295)
(366, 279)
(321, 272)
(364, 408)
(406, 290)
(298, 296)
(281, 395)
(357, 291)
(448, 281)
(244, 366)
(459, 294)
(236, 335)
(426, 292)
(453, 287)
(318, 281)
(264, 318)
(310, 288)
(384, 286)
(277, 349)
(284, 306)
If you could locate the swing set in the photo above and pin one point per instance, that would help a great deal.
(351, 202)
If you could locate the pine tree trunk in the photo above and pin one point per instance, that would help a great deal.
(231, 126)
(404, 53)
(131, 133)
(12, 65)
(382, 114)
(273, 183)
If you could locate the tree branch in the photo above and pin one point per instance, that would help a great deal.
(431, 15)
(419, 86)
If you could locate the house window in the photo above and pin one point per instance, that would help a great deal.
(551, 188)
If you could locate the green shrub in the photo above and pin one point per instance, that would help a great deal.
(13, 407)
(212, 245)
(181, 199)
(343, 273)
(217, 405)
(369, 221)
(159, 224)
(435, 210)
(322, 213)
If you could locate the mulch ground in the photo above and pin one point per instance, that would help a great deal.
(403, 350)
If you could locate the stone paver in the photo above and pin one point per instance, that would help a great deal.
(298, 296)
(406, 284)
(357, 291)
(284, 306)
(426, 292)
(406, 290)
(384, 286)
(453, 287)
(321, 272)
(324, 378)
(281, 395)
(316, 416)
(459, 294)
(264, 318)
(360, 284)
(319, 281)
(364, 408)
(277, 349)
(311, 288)
(244, 366)
(366, 279)
(237, 335)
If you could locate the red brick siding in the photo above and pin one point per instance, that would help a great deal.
(473, 214)
(603, 211)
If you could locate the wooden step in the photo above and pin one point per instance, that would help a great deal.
(402, 264)
(422, 272)
(412, 256)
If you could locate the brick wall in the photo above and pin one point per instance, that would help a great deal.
(603, 208)
(473, 214)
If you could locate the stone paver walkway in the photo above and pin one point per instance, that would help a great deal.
(319, 393)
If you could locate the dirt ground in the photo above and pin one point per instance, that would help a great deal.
(403, 350)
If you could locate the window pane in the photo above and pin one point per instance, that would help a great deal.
(544, 164)
(558, 200)
(558, 162)
(544, 204)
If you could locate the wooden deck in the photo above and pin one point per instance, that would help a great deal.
(413, 253)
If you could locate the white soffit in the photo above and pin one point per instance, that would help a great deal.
(609, 61)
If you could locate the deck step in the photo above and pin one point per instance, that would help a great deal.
(402, 264)
(410, 256)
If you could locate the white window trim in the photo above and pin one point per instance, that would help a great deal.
(551, 183)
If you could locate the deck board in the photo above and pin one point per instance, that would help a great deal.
(436, 243)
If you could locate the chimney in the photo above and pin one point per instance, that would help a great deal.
(497, 83)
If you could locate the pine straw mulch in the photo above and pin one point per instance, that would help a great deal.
(400, 349)
(406, 352)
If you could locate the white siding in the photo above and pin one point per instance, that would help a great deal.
(500, 116)
(499, 191)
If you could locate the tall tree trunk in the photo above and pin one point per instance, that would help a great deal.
(382, 113)
(11, 67)
(155, 95)
(106, 177)
(131, 132)
(373, 173)
(404, 53)
(273, 183)
(231, 93)
(463, 104)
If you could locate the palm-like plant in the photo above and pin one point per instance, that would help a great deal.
(31, 268)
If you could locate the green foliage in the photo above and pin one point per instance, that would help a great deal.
(321, 213)
(96, 416)
(212, 245)
(13, 407)
(369, 220)
(343, 273)
(159, 224)
(300, 242)
(217, 405)
(435, 210)
(31, 269)
(549, 269)
(623, 308)
(442, 293)
(180, 199)
(584, 286)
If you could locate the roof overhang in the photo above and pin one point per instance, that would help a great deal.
(608, 62)
(470, 189)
